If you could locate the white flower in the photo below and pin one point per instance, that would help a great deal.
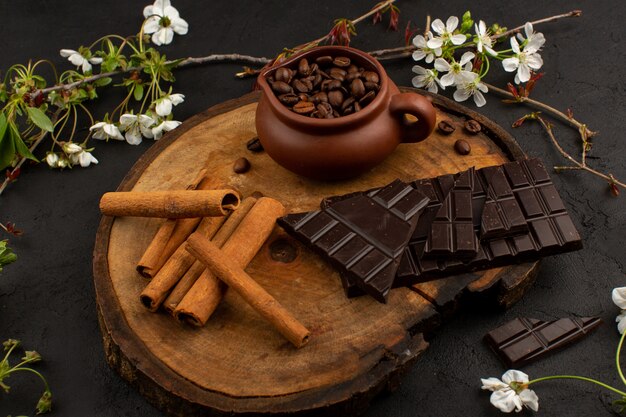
(534, 40)
(165, 126)
(135, 127)
(162, 21)
(103, 130)
(52, 159)
(456, 74)
(426, 78)
(62, 163)
(165, 103)
(72, 148)
(84, 159)
(621, 323)
(523, 62)
(473, 87)
(79, 60)
(619, 298)
(483, 40)
(445, 33)
(423, 51)
(512, 392)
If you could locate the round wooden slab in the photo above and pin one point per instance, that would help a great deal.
(238, 363)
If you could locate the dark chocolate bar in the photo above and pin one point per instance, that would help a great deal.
(363, 234)
(452, 234)
(523, 340)
(502, 215)
(550, 229)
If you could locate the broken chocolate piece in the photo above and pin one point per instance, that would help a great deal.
(502, 215)
(523, 340)
(364, 234)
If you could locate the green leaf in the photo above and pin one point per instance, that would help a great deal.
(20, 146)
(102, 82)
(138, 92)
(7, 147)
(40, 119)
(6, 254)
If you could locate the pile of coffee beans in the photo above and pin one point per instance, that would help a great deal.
(327, 88)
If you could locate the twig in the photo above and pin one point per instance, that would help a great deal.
(610, 178)
(548, 109)
(573, 13)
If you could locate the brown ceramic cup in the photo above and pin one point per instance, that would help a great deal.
(343, 147)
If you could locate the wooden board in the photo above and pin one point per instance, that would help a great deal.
(237, 363)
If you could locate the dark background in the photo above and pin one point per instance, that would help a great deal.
(47, 298)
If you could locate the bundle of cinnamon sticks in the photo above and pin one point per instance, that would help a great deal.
(207, 240)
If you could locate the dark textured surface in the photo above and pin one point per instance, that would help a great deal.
(47, 298)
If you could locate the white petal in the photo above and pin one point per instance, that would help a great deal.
(85, 159)
(535, 43)
(86, 66)
(432, 87)
(418, 55)
(99, 134)
(523, 72)
(438, 51)
(528, 28)
(438, 26)
(164, 35)
(419, 41)
(145, 121)
(514, 375)
(157, 131)
(180, 26)
(68, 52)
(72, 148)
(618, 295)
(161, 5)
(530, 399)
(503, 400)
(621, 323)
(419, 81)
(458, 39)
(442, 65)
(177, 98)
(435, 43)
(112, 131)
(52, 159)
(98, 125)
(491, 51)
(170, 125)
(465, 77)
(171, 12)
(133, 136)
(95, 60)
(482, 27)
(482, 87)
(534, 61)
(510, 64)
(517, 401)
(461, 94)
(76, 59)
(151, 25)
(419, 70)
(492, 384)
(447, 79)
(146, 131)
(466, 57)
(515, 45)
(479, 45)
(126, 120)
(148, 11)
(479, 99)
(516, 78)
(429, 58)
(164, 107)
(452, 23)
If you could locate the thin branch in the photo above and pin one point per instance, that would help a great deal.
(573, 13)
(610, 178)
(548, 109)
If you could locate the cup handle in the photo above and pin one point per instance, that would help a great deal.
(418, 106)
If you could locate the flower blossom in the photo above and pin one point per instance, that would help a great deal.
(423, 51)
(164, 104)
(165, 126)
(512, 392)
(445, 33)
(163, 20)
(83, 158)
(456, 74)
(72, 148)
(483, 40)
(106, 131)
(136, 126)
(524, 61)
(52, 159)
(619, 298)
(534, 40)
(79, 59)
(473, 87)
(426, 78)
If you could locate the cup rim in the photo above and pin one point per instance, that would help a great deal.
(295, 118)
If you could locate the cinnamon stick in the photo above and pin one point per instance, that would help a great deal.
(186, 282)
(157, 290)
(175, 204)
(237, 279)
(160, 250)
(203, 298)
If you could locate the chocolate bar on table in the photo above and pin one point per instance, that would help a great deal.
(523, 340)
(362, 234)
(550, 229)
(502, 215)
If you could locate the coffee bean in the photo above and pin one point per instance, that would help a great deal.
(367, 98)
(352, 76)
(324, 109)
(446, 127)
(303, 67)
(304, 107)
(370, 86)
(281, 87)
(324, 60)
(352, 69)
(371, 76)
(284, 75)
(347, 103)
(342, 61)
(357, 107)
(357, 88)
(254, 145)
(288, 99)
(337, 74)
(241, 166)
(300, 86)
(335, 98)
(462, 147)
(348, 110)
(318, 98)
(303, 97)
(334, 85)
(472, 126)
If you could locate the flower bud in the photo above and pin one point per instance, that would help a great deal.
(31, 355)
(71, 148)
(52, 159)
